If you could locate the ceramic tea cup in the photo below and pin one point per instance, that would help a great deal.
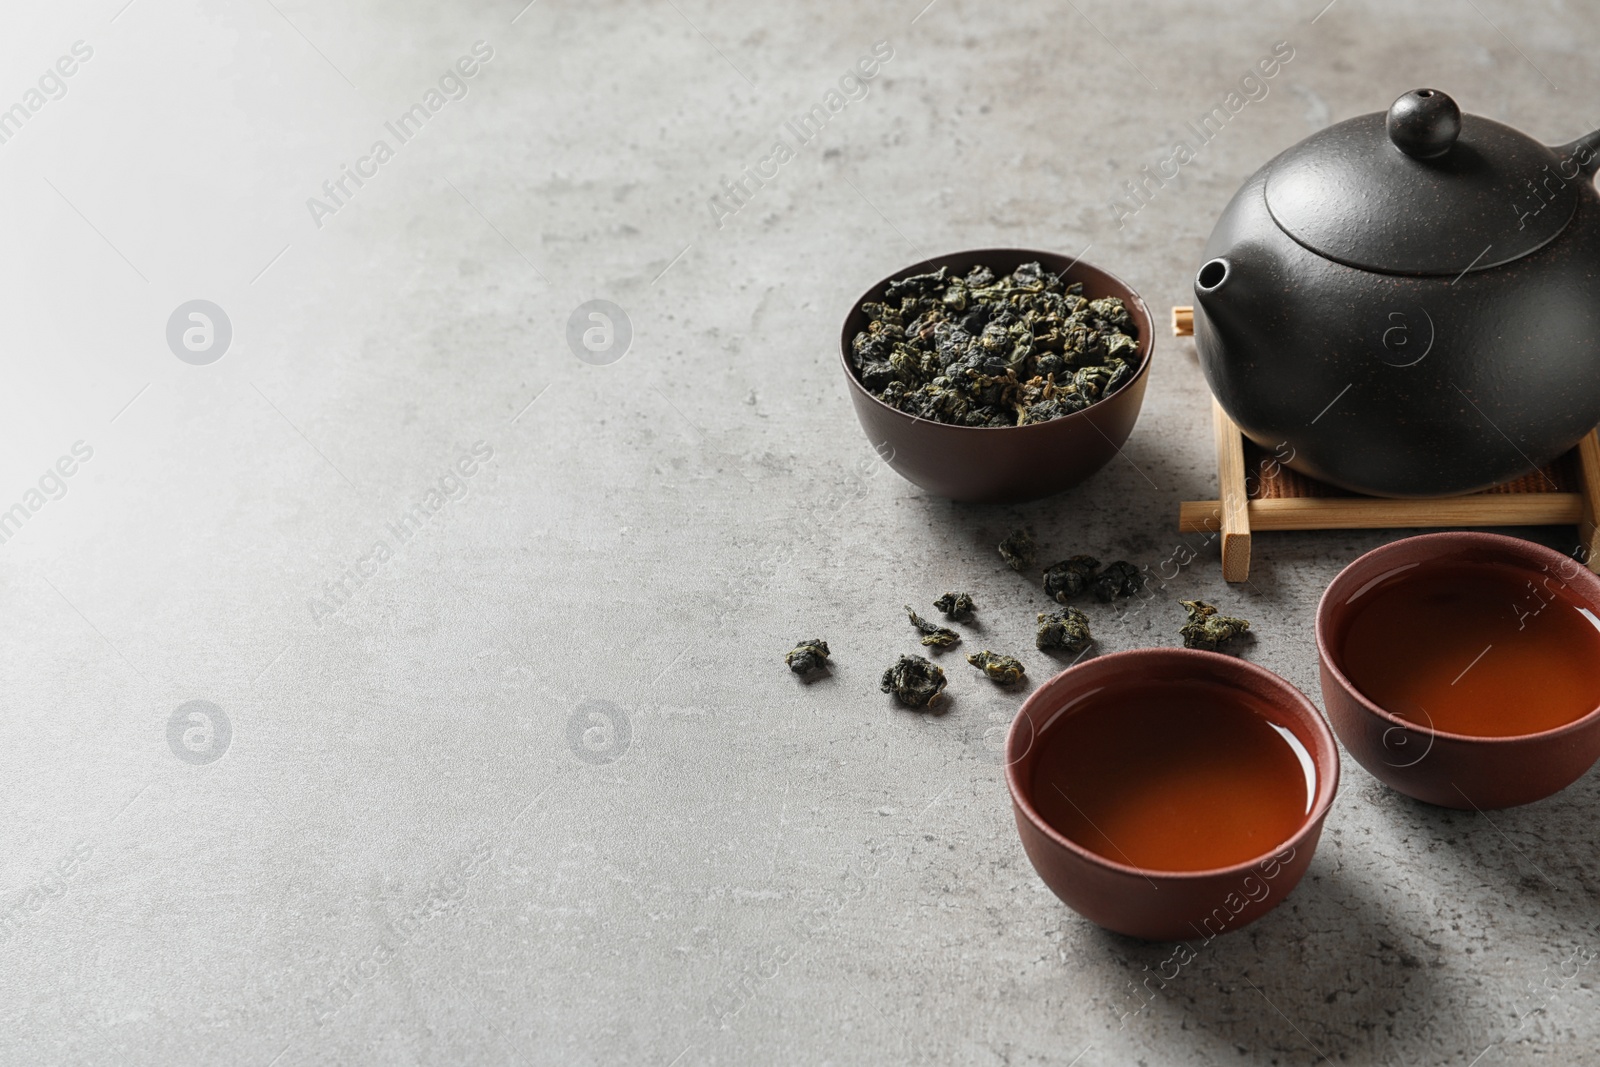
(1454, 769)
(1005, 464)
(1146, 897)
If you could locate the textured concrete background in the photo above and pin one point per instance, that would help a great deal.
(540, 789)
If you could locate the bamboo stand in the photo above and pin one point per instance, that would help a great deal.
(1257, 493)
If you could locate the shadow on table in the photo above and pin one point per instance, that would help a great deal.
(1313, 978)
(1542, 857)
(1341, 970)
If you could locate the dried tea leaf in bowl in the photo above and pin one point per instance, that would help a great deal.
(977, 350)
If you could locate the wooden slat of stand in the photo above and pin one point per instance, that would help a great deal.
(1183, 322)
(1589, 477)
(1235, 493)
(1566, 492)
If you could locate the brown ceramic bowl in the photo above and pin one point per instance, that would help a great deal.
(1452, 770)
(1003, 464)
(1164, 905)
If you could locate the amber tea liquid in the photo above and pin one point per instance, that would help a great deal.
(1475, 648)
(1173, 777)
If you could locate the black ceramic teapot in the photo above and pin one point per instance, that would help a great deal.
(1408, 303)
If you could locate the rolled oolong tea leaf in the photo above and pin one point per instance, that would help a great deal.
(1067, 629)
(1206, 629)
(976, 350)
(914, 681)
(933, 635)
(957, 606)
(1070, 577)
(1002, 670)
(1118, 579)
(807, 655)
(1018, 550)
(1045, 410)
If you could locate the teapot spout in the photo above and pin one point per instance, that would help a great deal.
(1220, 293)
(1212, 276)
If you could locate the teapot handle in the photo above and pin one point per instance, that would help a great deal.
(1585, 152)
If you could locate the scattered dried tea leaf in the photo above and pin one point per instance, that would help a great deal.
(1002, 670)
(914, 681)
(1118, 579)
(807, 655)
(1206, 629)
(1018, 550)
(932, 634)
(1067, 629)
(976, 350)
(1070, 577)
(958, 606)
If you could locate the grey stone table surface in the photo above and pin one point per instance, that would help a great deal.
(496, 759)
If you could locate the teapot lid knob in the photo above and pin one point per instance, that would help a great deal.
(1424, 123)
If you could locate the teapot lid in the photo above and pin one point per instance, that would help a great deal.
(1422, 189)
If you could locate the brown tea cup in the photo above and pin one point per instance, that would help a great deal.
(1003, 464)
(1452, 770)
(1146, 901)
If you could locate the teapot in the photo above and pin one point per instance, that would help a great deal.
(1407, 304)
